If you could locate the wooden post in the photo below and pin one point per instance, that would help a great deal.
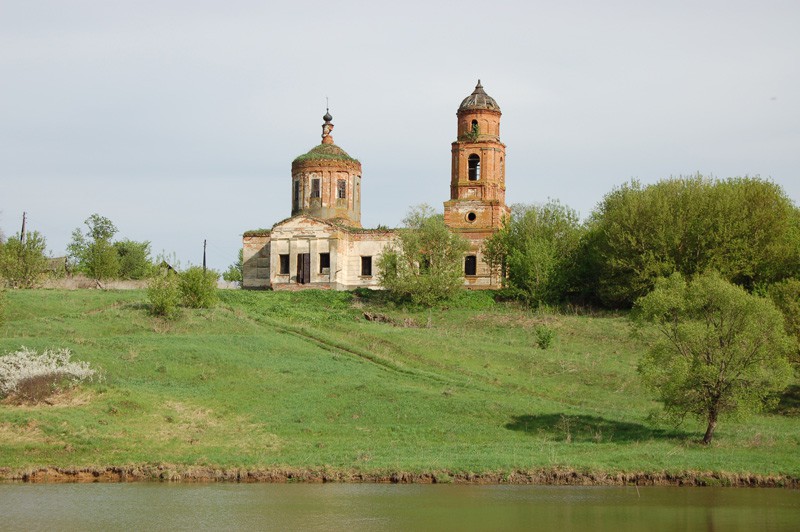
(204, 256)
(22, 232)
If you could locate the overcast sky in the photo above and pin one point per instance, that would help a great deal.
(178, 120)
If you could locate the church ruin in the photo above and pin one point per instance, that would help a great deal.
(323, 245)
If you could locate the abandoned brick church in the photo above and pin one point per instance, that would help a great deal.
(323, 244)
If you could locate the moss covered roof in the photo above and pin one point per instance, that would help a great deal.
(257, 232)
(323, 152)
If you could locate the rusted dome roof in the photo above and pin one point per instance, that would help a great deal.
(479, 100)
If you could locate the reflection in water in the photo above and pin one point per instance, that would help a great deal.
(391, 507)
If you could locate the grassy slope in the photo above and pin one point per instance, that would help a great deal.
(301, 380)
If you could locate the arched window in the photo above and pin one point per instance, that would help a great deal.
(474, 165)
(474, 127)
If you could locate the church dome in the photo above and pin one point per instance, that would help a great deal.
(325, 152)
(478, 100)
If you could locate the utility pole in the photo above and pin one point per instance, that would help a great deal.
(22, 233)
(204, 256)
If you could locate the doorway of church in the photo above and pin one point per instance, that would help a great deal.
(303, 268)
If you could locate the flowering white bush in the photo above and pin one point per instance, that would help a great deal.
(26, 365)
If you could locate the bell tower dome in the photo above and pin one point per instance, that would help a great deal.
(326, 181)
(477, 180)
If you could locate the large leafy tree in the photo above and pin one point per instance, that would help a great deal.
(92, 251)
(721, 350)
(536, 249)
(425, 263)
(22, 262)
(745, 228)
(134, 259)
(786, 296)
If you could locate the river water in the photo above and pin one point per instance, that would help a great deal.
(161, 506)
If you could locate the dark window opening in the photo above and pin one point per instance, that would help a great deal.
(470, 265)
(324, 262)
(474, 165)
(471, 217)
(315, 188)
(366, 266)
(304, 268)
(296, 196)
(474, 127)
(341, 189)
(284, 264)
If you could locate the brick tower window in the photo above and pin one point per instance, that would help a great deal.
(474, 165)
(315, 188)
(341, 189)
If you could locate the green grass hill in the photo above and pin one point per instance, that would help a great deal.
(303, 381)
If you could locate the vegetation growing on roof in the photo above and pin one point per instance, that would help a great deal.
(325, 152)
(257, 232)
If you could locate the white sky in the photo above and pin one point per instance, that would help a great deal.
(178, 120)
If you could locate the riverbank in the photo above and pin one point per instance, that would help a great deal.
(327, 386)
(552, 477)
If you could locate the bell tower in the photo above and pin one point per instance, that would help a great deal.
(478, 180)
(477, 205)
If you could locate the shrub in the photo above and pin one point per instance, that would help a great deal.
(544, 336)
(29, 376)
(163, 294)
(198, 288)
(22, 263)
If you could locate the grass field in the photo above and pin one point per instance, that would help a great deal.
(302, 380)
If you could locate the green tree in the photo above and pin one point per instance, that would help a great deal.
(721, 350)
(786, 296)
(22, 264)
(93, 252)
(234, 273)
(134, 259)
(198, 288)
(536, 249)
(425, 263)
(745, 228)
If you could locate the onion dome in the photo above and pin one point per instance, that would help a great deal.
(479, 100)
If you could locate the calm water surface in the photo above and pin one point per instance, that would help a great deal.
(391, 507)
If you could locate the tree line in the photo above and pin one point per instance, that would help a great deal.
(713, 265)
(92, 251)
